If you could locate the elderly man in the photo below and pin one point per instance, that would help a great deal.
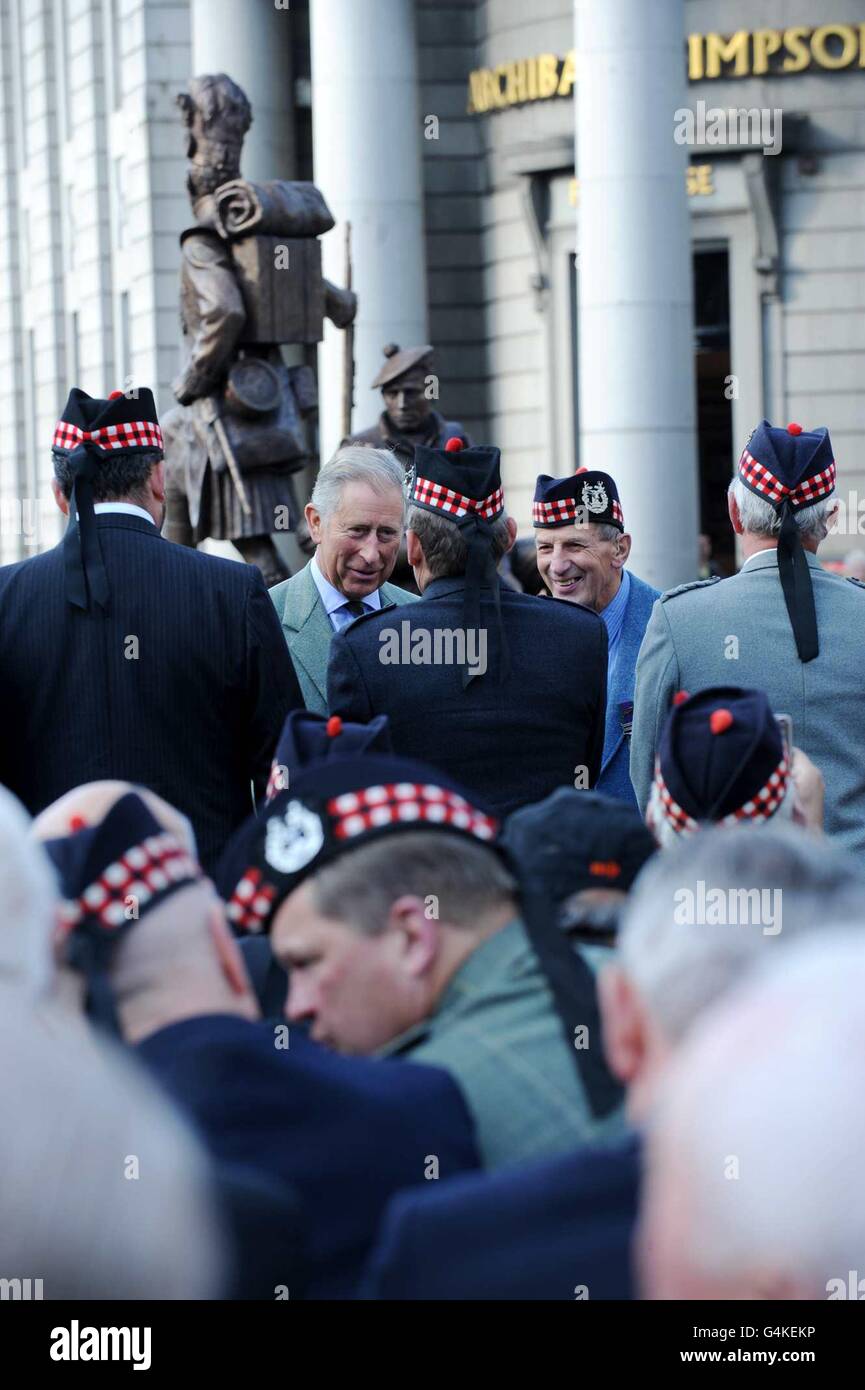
(582, 549)
(502, 691)
(753, 1186)
(135, 657)
(782, 624)
(414, 947)
(356, 517)
(562, 1229)
(149, 936)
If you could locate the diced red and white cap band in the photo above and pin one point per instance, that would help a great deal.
(141, 874)
(764, 482)
(137, 434)
(761, 806)
(444, 499)
(569, 509)
(354, 813)
(250, 904)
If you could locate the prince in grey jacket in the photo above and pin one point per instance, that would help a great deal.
(783, 624)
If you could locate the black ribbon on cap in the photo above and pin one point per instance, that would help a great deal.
(481, 572)
(797, 587)
(86, 575)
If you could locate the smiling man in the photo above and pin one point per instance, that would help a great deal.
(356, 518)
(582, 550)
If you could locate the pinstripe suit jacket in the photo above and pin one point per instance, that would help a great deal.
(192, 708)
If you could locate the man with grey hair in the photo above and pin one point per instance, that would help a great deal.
(783, 624)
(503, 691)
(356, 517)
(77, 1222)
(753, 1183)
(701, 917)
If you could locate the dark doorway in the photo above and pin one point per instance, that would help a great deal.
(714, 409)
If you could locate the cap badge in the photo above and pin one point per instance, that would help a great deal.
(294, 839)
(595, 497)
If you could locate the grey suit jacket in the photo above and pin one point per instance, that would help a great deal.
(307, 630)
(737, 632)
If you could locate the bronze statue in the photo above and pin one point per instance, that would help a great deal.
(251, 281)
(408, 418)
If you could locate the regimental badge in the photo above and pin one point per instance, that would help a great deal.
(294, 839)
(595, 497)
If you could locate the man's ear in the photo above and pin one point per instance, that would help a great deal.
(413, 549)
(313, 521)
(733, 513)
(622, 1023)
(416, 934)
(228, 951)
(59, 497)
(512, 532)
(622, 551)
(157, 480)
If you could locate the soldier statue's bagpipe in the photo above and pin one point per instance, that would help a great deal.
(251, 283)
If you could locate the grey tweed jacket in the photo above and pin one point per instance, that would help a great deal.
(736, 632)
(308, 632)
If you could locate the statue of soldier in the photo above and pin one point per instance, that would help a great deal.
(408, 418)
(250, 282)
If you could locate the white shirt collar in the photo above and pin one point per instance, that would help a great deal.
(769, 550)
(331, 597)
(124, 508)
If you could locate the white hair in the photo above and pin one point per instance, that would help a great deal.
(679, 963)
(28, 902)
(760, 518)
(772, 1080)
(105, 1192)
(356, 463)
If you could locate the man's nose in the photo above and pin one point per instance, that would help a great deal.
(299, 1005)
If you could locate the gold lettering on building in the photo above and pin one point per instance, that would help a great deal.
(746, 53)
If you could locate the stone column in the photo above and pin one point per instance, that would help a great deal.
(635, 328)
(367, 136)
(251, 42)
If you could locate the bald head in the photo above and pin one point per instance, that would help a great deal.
(89, 805)
(179, 960)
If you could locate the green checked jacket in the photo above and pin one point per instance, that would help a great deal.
(497, 1032)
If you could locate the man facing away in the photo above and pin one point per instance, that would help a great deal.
(343, 1133)
(356, 517)
(126, 656)
(504, 692)
(783, 624)
(582, 549)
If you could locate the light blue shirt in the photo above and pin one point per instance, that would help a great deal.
(614, 616)
(335, 602)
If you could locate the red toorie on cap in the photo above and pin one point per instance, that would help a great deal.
(453, 445)
(794, 428)
(720, 720)
(334, 726)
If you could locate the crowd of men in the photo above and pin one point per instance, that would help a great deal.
(465, 943)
